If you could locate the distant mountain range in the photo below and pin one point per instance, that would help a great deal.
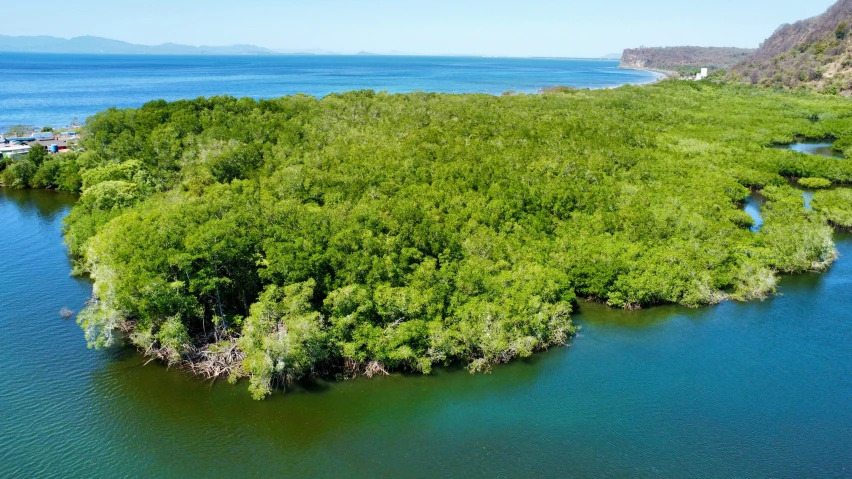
(95, 45)
(88, 44)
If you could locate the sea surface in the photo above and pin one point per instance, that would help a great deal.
(53, 89)
(756, 390)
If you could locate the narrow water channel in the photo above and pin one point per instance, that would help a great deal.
(821, 148)
(755, 201)
(753, 205)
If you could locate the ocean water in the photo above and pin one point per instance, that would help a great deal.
(52, 89)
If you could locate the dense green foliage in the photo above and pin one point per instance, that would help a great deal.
(366, 232)
(39, 170)
(815, 183)
(836, 206)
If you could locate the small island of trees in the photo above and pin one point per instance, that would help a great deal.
(365, 232)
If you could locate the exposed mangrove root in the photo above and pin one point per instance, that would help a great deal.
(375, 368)
(210, 361)
(353, 369)
(840, 227)
(222, 359)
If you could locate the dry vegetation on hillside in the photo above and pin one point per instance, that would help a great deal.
(814, 53)
(684, 60)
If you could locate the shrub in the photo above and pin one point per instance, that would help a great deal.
(815, 183)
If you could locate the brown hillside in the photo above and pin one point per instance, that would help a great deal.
(682, 59)
(813, 53)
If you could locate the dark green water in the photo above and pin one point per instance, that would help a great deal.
(739, 390)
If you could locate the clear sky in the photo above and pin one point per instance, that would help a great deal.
(482, 27)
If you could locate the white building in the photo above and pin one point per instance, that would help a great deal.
(12, 150)
(704, 74)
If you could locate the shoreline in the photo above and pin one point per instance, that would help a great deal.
(662, 76)
(596, 74)
(665, 74)
(201, 355)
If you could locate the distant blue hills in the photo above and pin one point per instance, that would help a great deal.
(89, 44)
(107, 46)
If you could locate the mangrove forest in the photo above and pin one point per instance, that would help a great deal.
(365, 232)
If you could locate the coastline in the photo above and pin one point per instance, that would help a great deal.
(167, 79)
(664, 74)
(661, 76)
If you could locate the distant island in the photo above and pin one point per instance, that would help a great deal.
(94, 45)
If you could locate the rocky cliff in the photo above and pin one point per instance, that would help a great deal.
(683, 59)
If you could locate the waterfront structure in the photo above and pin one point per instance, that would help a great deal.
(14, 146)
(10, 150)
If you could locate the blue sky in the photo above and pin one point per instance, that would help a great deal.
(495, 27)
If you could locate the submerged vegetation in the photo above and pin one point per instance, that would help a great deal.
(367, 232)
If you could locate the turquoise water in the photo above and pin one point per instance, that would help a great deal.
(820, 148)
(738, 390)
(753, 205)
(44, 89)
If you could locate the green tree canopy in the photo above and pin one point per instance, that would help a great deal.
(366, 232)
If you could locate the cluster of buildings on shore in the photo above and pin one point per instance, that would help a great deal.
(55, 142)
